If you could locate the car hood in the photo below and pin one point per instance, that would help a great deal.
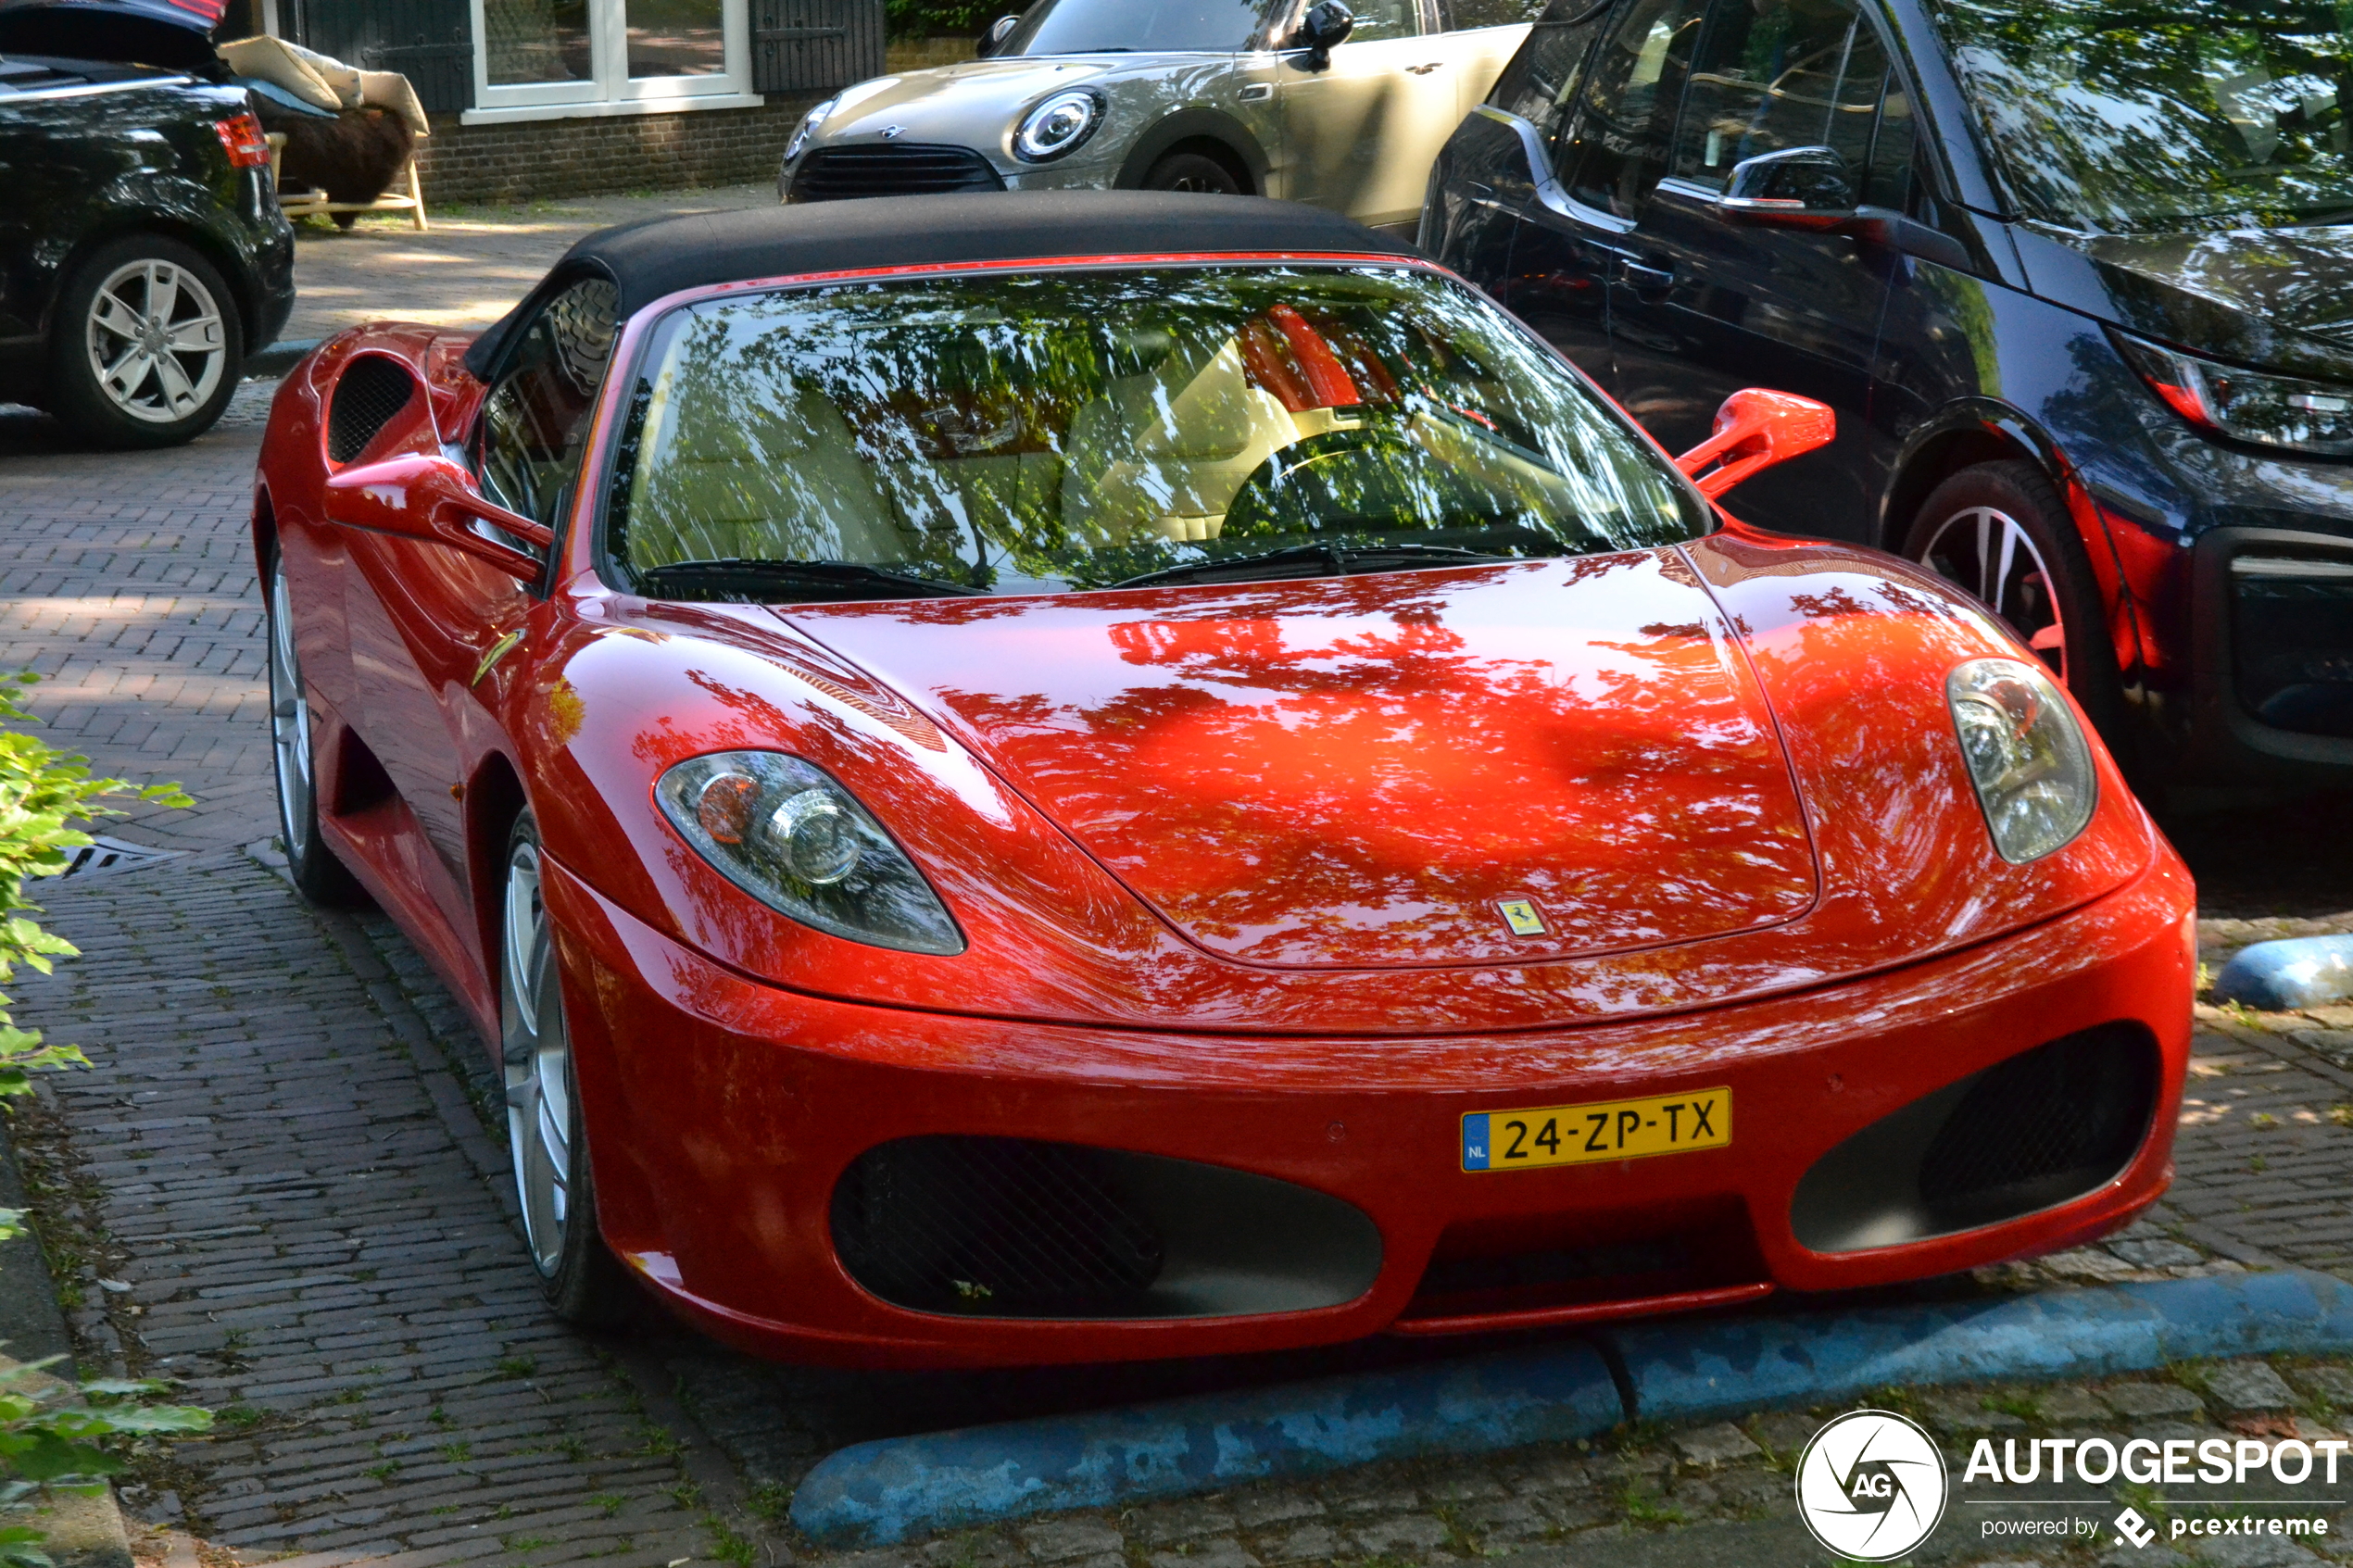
(969, 103)
(1364, 771)
(2274, 297)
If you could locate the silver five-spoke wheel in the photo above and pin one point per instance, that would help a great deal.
(538, 1064)
(157, 341)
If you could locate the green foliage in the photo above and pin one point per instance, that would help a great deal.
(42, 792)
(58, 1436)
(943, 19)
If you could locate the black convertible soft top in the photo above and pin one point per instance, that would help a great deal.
(662, 255)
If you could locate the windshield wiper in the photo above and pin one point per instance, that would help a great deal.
(1335, 560)
(735, 580)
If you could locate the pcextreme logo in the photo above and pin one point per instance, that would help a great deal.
(1871, 1486)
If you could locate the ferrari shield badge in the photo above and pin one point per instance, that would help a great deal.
(1521, 916)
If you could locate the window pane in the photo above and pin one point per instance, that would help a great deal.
(1620, 145)
(1798, 75)
(1385, 18)
(1541, 78)
(536, 40)
(1031, 435)
(1077, 27)
(2198, 115)
(536, 421)
(676, 38)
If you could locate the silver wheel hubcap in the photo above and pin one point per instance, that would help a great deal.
(156, 341)
(1985, 550)
(289, 722)
(538, 1065)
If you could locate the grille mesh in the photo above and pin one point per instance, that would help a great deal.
(919, 170)
(369, 394)
(2043, 1126)
(993, 1226)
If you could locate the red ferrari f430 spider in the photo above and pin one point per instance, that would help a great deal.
(1009, 783)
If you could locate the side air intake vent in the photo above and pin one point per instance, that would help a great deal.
(1019, 1228)
(2046, 1126)
(370, 393)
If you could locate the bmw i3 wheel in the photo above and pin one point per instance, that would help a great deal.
(2000, 531)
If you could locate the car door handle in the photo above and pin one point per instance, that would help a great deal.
(1257, 92)
(1424, 69)
(1646, 282)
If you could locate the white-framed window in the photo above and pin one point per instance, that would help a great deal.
(549, 58)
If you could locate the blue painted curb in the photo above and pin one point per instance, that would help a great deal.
(1689, 1371)
(875, 1494)
(2298, 972)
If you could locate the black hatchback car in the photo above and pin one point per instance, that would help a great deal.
(2076, 275)
(143, 255)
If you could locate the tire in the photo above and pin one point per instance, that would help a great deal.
(316, 874)
(2007, 513)
(1192, 171)
(584, 1282)
(146, 346)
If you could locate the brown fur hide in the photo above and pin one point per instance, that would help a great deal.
(353, 157)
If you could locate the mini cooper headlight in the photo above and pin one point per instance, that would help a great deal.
(1058, 125)
(2026, 755)
(786, 833)
(808, 128)
(2271, 410)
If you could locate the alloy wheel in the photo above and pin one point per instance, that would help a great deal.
(289, 723)
(157, 342)
(538, 1065)
(1986, 551)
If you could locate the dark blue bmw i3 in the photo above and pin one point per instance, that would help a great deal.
(2076, 276)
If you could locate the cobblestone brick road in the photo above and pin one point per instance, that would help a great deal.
(281, 1183)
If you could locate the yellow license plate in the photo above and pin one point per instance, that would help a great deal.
(1584, 1135)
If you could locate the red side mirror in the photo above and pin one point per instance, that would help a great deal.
(1755, 429)
(424, 495)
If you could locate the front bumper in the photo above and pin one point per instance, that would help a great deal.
(2273, 653)
(723, 1114)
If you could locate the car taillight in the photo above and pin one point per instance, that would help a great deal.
(241, 139)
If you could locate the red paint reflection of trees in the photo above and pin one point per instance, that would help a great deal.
(1356, 772)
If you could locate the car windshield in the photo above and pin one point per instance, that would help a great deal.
(1158, 27)
(1086, 428)
(2186, 115)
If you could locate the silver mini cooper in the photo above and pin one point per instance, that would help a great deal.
(1340, 102)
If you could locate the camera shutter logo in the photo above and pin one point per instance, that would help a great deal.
(1871, 1486)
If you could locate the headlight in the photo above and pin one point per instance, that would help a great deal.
(2304, 416)
(790, 837)
(808, 128)
(1059, 125)
(2029, 759)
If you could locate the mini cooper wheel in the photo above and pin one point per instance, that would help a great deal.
(1192, 171)
(147, 345)
(2001, 532)
(585, 1282)
(316, 874)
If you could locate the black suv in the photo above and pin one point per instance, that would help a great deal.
(2076, 275)
(143, 256)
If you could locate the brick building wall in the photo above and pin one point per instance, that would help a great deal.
(522, 160)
